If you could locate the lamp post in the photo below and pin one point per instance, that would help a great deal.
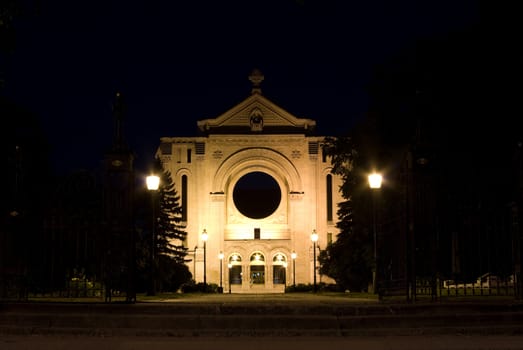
(285, 275)
(221, 272)
(204, 239)
(194, 261)
(153, 183)
(375, 184)
(293, 256)
(229, 265)
(314, 239)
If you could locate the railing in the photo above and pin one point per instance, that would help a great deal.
(390, 288)
(14, 288)
(78, 289)
(495, 287)
(486, 285)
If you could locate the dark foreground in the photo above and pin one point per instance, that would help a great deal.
(264, 318)
(414, 342)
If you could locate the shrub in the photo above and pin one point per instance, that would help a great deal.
(193, 287)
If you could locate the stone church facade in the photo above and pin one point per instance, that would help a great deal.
(257, 183)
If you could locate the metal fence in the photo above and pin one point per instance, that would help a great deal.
(14, 288)
(485, 285)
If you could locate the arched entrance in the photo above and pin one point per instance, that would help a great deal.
(234, 265)
(279, 269)
(257, 270)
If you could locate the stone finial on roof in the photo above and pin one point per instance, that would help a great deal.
(118, 116)
(256, 78)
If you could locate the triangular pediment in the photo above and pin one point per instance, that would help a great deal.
(256, 114)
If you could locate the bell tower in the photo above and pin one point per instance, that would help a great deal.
(118, 180)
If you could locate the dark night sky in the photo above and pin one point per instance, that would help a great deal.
(177, 62)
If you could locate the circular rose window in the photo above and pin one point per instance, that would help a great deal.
(256, 195)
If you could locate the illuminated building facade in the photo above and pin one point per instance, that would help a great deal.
(256, 180)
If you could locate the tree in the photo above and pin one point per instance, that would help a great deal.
(348, 259)
(72, 226)
(170, 233)
(24, 182)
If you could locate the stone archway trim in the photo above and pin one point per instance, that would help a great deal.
(255, 159)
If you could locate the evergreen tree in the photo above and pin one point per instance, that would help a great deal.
(170, 234)
(348, 260)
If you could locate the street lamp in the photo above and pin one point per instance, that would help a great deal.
(194, 261)
(204, 239)
(293, 256)
(375, 184)
(229, 265)
(221, 262)
(153, 183)
(285, 275)
(314, 239)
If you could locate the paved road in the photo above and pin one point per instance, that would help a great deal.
(293, 343)
(236, 317)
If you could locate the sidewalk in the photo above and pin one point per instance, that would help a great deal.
(264, 315)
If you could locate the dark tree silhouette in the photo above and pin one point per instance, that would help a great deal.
(348, 260)
(169, 229)
(170, 234)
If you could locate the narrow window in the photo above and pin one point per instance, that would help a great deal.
(256, 233)
(329, 197)
(189, 155)
(184, 198)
